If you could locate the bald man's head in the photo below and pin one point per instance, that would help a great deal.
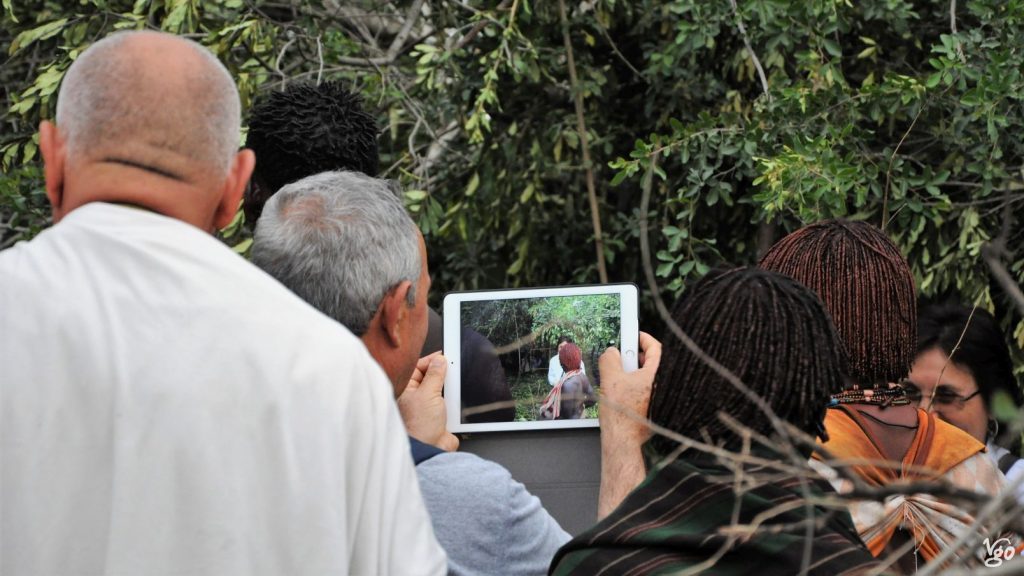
(151, 99)
(151, 120)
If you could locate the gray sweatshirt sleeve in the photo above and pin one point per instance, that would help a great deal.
(487, 522)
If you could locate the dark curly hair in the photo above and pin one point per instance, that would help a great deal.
(867, 288)
(772, 333)
(304, 130)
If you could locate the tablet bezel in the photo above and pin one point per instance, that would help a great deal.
(629, 334)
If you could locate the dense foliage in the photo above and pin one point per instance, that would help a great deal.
(592, 322)
(905, 113)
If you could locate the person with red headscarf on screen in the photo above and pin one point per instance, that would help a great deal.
(573, 392)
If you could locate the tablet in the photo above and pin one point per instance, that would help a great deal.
(526, 359)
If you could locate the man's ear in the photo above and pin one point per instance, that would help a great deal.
(394, 311)
(234, 188)
(54, 152)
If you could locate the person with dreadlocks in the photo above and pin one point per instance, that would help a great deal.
(867, 287)
(572, 393)
(697, 508)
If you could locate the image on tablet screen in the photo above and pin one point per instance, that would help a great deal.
(535, 359)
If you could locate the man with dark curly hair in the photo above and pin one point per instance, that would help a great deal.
(303, 130)
(307, 129)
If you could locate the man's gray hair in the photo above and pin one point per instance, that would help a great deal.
(110, 96)
(340, 241)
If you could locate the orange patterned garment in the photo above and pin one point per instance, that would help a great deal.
(938, 450)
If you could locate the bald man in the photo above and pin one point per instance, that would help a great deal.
(166, 407)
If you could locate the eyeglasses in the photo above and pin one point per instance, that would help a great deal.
(943, 395)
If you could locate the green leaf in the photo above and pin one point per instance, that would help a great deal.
(1003, 408)
(971, 98)
(474, 183)
(832, 47)
(866, 52)
(243, 246)
(24, 105)
(29, 153)
(176, 19)
(26, 38)
(619, 177)
(10, 10)
(527, 194)
(416, 195)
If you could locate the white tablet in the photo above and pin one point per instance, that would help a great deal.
(526, 359)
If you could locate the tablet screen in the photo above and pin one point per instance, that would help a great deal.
(528, 358)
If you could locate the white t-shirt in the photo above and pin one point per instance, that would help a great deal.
(168, 408)
(1015, 475)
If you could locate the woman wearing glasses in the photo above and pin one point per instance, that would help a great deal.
(960, 391)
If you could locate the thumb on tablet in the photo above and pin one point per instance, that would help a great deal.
(433, 378)
(610, 361)
(421, 368)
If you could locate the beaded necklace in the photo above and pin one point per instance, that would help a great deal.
(892, 395)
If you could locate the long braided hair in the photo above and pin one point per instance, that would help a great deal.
(867, 287)
(771, 332)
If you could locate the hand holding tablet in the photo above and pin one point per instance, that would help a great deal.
(422, 407)
(502, 346)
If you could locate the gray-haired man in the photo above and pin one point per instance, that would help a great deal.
(344, 242)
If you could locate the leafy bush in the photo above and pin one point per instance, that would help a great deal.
(893, 111)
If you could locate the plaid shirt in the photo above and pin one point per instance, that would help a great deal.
(677, 519)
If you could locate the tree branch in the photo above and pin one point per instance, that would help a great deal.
(952, 28)
(750, 49)
(581, 127)
(888, 173)
(479, 26)
(993, 253)
(403, 34)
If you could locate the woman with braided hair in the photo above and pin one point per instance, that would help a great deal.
(866, 285)
(776, 337)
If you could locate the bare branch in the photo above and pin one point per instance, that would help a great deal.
(479, 26)
(588, 166)
(888, 173)
(952, 28)
(750, 49)
(280, 56)
(993, 253)
(403, 34)
(320, 58)
(619, 54)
